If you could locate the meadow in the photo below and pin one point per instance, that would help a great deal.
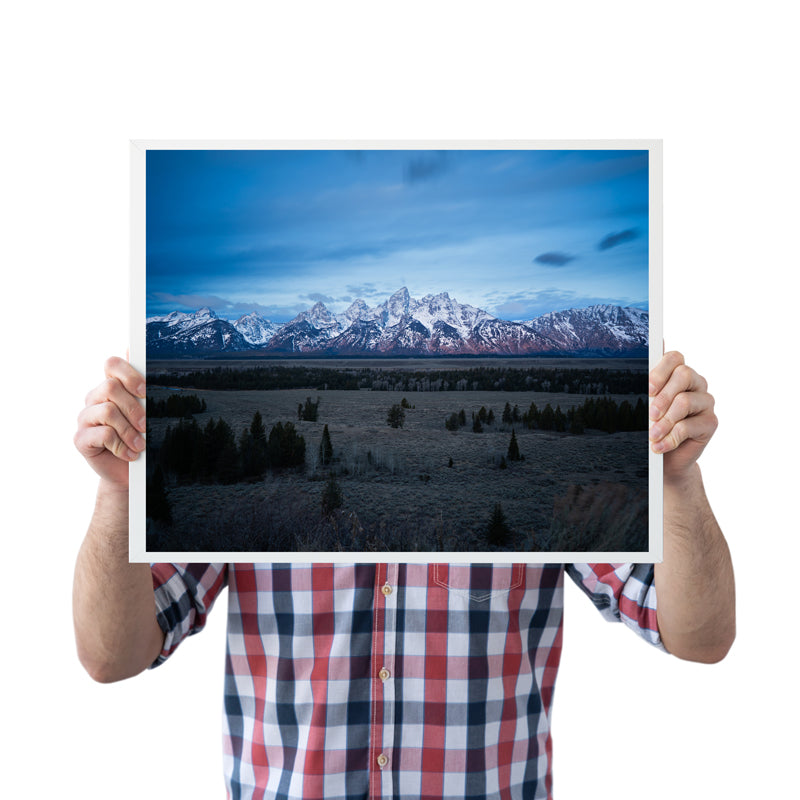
(418, 486)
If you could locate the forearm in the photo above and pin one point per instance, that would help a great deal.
(694, 583)
(114, 611)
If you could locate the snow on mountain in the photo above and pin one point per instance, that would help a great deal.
(255, 329)
(402, 325)
(603, 328)
(204, 336)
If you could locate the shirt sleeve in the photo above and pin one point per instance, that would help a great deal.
(622, 593)
(184, 595)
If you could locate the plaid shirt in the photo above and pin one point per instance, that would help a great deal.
(401, 681)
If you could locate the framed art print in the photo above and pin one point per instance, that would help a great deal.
(396, 351)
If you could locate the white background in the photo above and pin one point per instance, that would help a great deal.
(714, 80)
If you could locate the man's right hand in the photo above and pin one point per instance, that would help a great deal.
(110, 427)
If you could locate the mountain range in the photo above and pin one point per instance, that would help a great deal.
(435, 325)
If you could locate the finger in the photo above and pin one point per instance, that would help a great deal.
(93, 441)
(112, 391)
(698, 429)
(685, 404)
(660, 374)
(681, 379)
(108, 414)
(131, 379)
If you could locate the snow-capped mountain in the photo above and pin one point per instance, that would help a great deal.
(601, 328)
(402, 325)
(255, 329)
(201, 333)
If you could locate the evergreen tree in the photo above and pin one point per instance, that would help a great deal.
(451, 423)
(513, 448)
(285, 447)
(462, 418)
(325, 448)
(396, 416)
(309, 411)
(158, 505)
(253, 449)
(498, 532)
(476, 425)
(507, 414)
(331, 496)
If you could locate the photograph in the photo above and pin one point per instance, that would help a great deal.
(415, 349)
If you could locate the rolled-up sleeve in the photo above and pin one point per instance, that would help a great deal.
(184, 595)
(622, 593)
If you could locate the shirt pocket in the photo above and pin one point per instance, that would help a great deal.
(479, 582)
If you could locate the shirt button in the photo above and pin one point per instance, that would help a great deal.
(382, 760)
(384, 674)
(386, 589)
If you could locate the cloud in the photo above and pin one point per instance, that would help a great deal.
(526, 306)
(554, 259)
(165, 303)
(615, 239)
(363, 290)
(190, 301)
(316, 297)
(425, 167)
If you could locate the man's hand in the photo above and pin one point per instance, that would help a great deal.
(682, 419)
(111, 424)
(116, 629)
(694, 583)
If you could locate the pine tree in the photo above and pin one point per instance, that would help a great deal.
(498, 532)
(331, 496)
(513, 448)
(158, 505)
(396, 416)
(325, 448)
(507, 414)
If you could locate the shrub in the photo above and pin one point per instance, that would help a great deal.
(396, 416)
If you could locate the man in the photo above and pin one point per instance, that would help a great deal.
(394, 680)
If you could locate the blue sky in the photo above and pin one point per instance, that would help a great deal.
(515, 232)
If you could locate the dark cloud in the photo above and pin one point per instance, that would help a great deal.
(425, 167)
(316, 297)
(554, 259)
(364, 290)
(526, 306)
(614, 239)
(165, 303)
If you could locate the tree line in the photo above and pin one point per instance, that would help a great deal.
(597, 380)
(603, 414)
(212, 453)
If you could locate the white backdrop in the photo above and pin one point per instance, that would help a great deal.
(713, 80)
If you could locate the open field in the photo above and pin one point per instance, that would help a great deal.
(399, 491)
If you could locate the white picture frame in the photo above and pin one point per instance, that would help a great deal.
(139, 551)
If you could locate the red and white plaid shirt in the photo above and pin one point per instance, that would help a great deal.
(352, 681)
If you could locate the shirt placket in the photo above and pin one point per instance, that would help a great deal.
(382, 749)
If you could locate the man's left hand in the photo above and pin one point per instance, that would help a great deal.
(682, 419)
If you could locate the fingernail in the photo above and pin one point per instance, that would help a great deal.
(651, 389)
(141, 390)
(659, 446)
(131, 455)
(138, 443)
(654, 412)
(142, 424)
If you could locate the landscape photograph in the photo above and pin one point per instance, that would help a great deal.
(388, 351)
